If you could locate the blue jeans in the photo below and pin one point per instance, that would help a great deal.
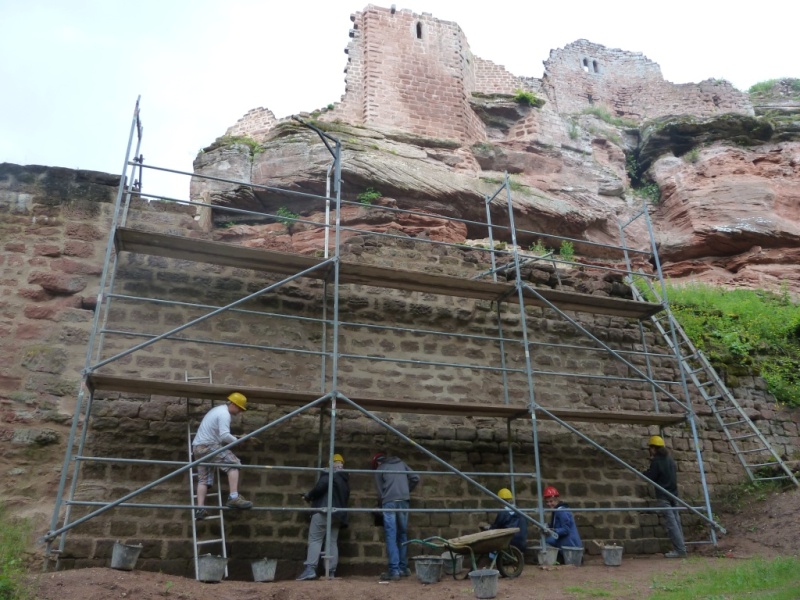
(395, 526)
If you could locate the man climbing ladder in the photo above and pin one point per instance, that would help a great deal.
(215, 432)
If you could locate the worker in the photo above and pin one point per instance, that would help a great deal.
(564, 531)
(318, 496)
(507, 518)
(664, 472)
(214, 433)
(394, 482)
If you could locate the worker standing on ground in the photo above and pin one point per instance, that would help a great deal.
(507, 519)
(562, 523)
(214, 433)
(664, 472)
(394, 492)
(318, 496)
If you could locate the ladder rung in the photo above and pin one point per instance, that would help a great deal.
(206, 542)
(744, 437)
(772, 478)
(728, 409)
(754, 450)
(732, 423)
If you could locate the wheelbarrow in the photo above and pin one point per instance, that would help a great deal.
(494, 545)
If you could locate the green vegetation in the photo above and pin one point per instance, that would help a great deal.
(743, 332)
(526, 97)
(369, 196)
(574, 130)
(692, 156)
(539, 248)
(287, 217)
(743, 496)
(515, 185)
(640, 184)
(764, 87)
(755, 578)
(567, 251)
(13, 538)
(603, 114)
(233, 140)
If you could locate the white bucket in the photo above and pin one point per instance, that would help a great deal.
(572, 555)
(447, 563)
(264, 569)
(548, 556)
(124, 556)
(428, 568)
(210, 568)
(612, 556)
(484, 582)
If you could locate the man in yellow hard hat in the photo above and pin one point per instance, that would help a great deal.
(318, 496)
(507, 519)
(214, 433)
(664, 472)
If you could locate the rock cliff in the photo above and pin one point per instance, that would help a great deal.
(586, 146)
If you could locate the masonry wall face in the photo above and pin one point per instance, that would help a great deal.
(45, 342)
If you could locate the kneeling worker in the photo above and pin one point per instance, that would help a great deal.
(562, 523)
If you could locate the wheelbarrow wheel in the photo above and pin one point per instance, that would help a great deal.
(510, 562)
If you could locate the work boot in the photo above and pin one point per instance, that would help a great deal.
(675, 554)
(308, 574)
(239, 502)
(389, 576)
(332, 574)
(405, 573)
(200, 514)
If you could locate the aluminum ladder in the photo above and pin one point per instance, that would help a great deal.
(216, 512)
(751, 447)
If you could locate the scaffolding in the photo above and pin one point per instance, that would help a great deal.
(505, 284)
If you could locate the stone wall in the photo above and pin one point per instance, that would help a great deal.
(628, 84)
(415, 73)
(54, 222)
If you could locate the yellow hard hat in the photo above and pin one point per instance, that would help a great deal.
(657, 441)
(338, 458)
(239, 400)
(505, 494)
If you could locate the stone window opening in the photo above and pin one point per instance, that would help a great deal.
(419, 30)
(590, 98)
(586, 65)
(595, 66)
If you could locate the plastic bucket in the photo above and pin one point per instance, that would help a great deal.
(548, 556)
(572, 555)
(124, 556)
(447, 563)
(264, 569)
(612, 556)
(210, 568)
(484, 582)
(428, 568)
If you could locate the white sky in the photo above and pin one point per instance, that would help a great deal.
(71, 70)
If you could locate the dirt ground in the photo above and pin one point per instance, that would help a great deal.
(768, 528)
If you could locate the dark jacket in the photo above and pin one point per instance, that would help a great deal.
(392, 487)
(563, 523)
(318, 496)
(664, 472)
(507, 519)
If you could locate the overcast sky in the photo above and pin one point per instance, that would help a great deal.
(71, 70)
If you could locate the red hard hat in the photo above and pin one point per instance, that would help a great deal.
(377, 459)
(550, 492)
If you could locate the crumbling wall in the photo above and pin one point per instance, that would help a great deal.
(54, 223)
(583, 75)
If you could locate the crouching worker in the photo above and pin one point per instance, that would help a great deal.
(214, 433)
(507, 519)
(562, 523)
(318, 496)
